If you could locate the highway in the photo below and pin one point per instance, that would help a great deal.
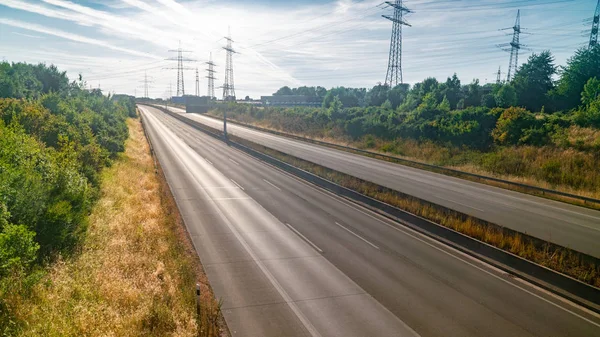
(564, 224)
(289, 259)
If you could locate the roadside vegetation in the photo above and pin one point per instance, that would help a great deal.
(534, 129)
(89, 243)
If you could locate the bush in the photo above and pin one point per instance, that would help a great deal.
(511, 126)
(18, 249)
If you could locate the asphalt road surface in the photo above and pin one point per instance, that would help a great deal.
(567, 225)
(289, 259)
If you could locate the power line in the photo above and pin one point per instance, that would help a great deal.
(394, 71)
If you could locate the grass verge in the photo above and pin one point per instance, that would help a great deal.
(136, 271)
(567, 261)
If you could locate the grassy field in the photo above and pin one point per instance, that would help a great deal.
(136, 272)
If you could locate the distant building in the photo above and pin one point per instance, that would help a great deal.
(291, 100)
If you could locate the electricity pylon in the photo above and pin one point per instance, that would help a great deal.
(180, 68)
(146, 83)
(515, 47)
(394, 71)
(211, 77)
(228, 85)
(595, 24)
(197, 83)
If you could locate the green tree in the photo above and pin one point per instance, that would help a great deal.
(533, 81)
(444, 106)
(377, 95)
(473, 95)
(591, 91)
(488, 101)
(506, 96)
(335, 109)
(511, 126)
(283, 91)
(452, 91)
(387, 105)
(585, 64)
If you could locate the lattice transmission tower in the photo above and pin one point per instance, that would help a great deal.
(595, 24)
(498, 75)
(146, 83)
(180, 67)
(211, 77)
(197, 83)
(228, 85)
(515, 46)
(394, 71)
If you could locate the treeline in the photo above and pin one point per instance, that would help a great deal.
(532, 109)
(55, 138)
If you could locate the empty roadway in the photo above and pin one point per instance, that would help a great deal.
(564, 224)
(289, 259)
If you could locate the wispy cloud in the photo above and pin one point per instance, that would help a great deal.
(27, 35)
(343, 42)
(72, 37)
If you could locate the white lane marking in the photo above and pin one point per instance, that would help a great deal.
(210, 147)
(268, 182)
(305, 238)
(208, 161)
(231, 199)
(419, 237)
(235, 162)
(458, 203)
(287, 298)
(358, 236)
(238, 185)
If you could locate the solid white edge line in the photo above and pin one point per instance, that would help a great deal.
(238, 185)
(268, 182)
(358, 236)
(459, 203)
(305, 238)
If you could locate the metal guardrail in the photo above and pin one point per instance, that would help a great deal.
(558, 283)
(414, 163)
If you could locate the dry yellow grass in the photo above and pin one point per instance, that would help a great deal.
(134, 275)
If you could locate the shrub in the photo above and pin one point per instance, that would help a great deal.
(511, 125)
(18, 249)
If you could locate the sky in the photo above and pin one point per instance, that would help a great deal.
(114, 44)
